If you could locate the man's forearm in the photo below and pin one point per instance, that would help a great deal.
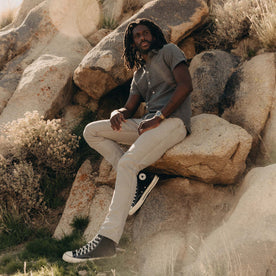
(126, 113)
(179, 96)
(130, 107)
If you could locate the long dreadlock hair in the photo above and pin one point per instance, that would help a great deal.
(131, 55)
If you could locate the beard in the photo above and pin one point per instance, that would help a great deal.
(146, 51)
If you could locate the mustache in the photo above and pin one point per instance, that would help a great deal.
(144, 41)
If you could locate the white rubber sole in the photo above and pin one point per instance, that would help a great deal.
(68, 257)
(134, 209)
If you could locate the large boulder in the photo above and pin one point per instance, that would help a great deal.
(45, 50)
(246, 243)
(45, 86)
(249, 93)
(86, 199)
(77, 205)
(215, 152)
(15, 45)
(210, 72)
(176, 215)
(267, 153)
(103, 69)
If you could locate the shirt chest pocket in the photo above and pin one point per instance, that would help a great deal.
(160, 75)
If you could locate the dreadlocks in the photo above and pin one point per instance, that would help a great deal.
(131, 55)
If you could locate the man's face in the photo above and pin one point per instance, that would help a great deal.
(142, 38)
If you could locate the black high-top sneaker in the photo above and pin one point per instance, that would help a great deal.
(145, 183)
(98, 248)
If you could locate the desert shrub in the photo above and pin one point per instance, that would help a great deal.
(19, 187)
(231, 22)
(236, 19)
(109, 23)
(39, 152)
(44, 143)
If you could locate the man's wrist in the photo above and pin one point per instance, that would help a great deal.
(160, 115)
(114, 112)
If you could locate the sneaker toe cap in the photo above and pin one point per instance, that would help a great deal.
(68, 257)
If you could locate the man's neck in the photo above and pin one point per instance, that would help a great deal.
(145, 56)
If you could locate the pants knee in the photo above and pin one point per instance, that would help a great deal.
(88, 132)
(127, 162)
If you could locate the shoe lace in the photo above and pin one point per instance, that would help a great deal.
(89, 246)
(135, 197)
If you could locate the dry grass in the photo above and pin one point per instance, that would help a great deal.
(6, 17)
(238, 19)
(263, 23)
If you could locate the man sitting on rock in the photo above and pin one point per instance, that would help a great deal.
(163, 81)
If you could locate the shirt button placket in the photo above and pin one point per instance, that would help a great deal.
(148, 79)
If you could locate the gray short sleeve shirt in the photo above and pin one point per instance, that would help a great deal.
(155, 82)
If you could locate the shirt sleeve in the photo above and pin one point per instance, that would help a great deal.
(173, 55)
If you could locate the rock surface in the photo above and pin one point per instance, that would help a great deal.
(77, 205)
(98, 210)
(48, 40)
(267, 153)
(246, 243)
(102, 69)
(215, 152)
(249, 93)
(176, 215)
(210, 72)
(45, 86)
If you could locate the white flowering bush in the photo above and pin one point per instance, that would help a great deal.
(37, 150)
(45, 141)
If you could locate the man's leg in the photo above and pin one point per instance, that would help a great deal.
(100, 136)
(147, 149)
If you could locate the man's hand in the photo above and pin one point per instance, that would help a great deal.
(149, 124)
(116, 119)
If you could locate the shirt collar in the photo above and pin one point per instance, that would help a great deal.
(150, 55)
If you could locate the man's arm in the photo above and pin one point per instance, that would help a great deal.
(183, 89)
(120, 115)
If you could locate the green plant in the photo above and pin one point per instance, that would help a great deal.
(109, 23)
(84, 151)
(51, 186)
(80, 223)
(42, 256)
(13, 229)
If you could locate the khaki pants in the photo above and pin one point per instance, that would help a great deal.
(144, 151)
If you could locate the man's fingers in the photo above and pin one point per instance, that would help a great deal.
(147, 125)
(116, 121)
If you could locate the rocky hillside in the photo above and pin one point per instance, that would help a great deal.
(216, 212)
